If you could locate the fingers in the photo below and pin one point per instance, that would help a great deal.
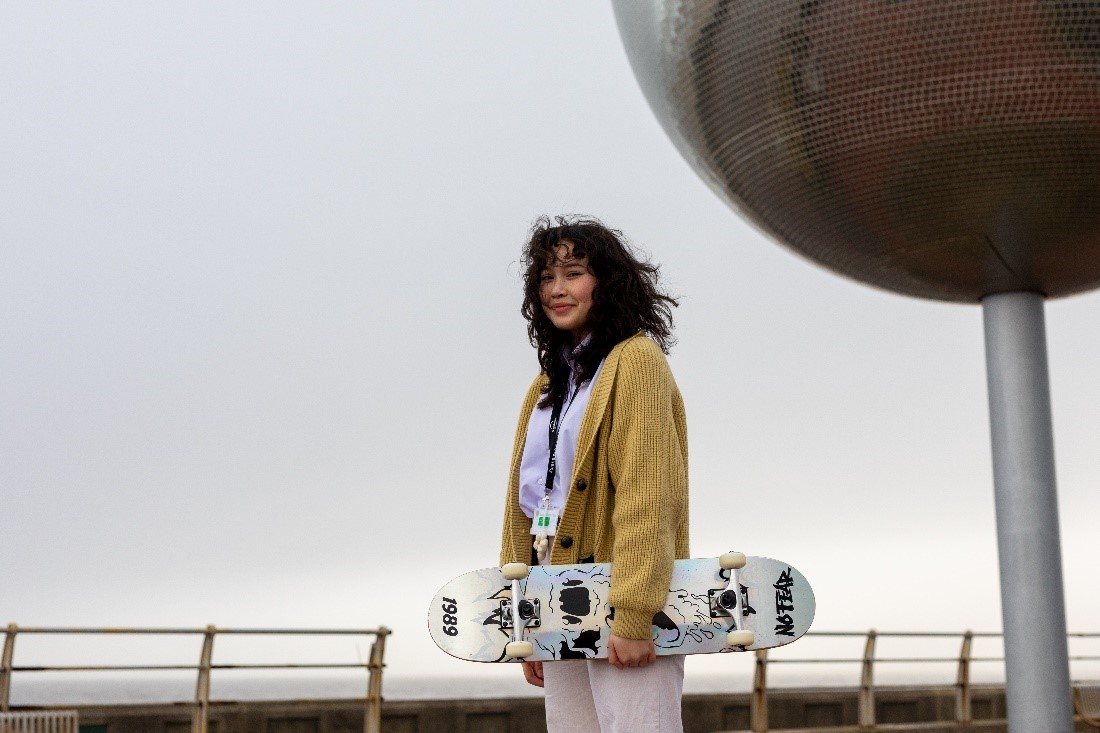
(613, 654)
(532, 672)
(623, 653)
(643, 661)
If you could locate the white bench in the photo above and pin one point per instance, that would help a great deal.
(53, 721)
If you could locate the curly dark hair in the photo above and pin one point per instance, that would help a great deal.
(627, 298)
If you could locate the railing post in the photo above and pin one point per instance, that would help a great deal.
(200, 718)
(758, 713)
(6, 667)
(962, 686)
(867, 683)
(372, 715)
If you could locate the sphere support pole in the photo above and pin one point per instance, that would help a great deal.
(1028, 540)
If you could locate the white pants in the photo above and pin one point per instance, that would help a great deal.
(594, 697)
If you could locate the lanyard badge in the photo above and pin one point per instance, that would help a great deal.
(544, 523)
(545, 520)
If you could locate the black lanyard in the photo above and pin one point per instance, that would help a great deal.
(552, 464)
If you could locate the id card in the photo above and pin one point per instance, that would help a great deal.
(545, 521)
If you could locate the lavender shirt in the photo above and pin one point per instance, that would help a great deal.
(536, 448)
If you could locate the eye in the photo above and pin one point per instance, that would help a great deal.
(545, 277)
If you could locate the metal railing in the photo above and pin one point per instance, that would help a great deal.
(372, 713)
(758, 713)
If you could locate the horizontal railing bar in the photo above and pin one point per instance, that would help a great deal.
(167, 631)
(941, 634)
(860, 660)
(850, 660)
(120, 630)
(342, 665)
(303, 632)
(188, 668)
(110, 668)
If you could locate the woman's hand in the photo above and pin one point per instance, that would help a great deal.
(630, 652)
(532, 672)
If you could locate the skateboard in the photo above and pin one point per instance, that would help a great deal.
(718, 604)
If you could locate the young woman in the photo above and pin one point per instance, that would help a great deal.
(599, 466)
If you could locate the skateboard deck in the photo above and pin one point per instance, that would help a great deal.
(471, 616)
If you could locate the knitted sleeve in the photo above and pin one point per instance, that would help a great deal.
(647, 462)
(514, 534)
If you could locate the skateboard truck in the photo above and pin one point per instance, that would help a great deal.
(529, 611)
(517, 606)
(727, 602)
(723, 603)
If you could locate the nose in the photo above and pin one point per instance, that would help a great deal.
(556, 286)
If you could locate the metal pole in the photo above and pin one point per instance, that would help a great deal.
(372, 713)
(1032, 596)
(963, 707)
(867, 682)
(759, 710)
(6, 667)
(200, 717)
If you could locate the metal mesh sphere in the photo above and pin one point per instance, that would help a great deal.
(946, 149)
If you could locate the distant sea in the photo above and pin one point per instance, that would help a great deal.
(43, 688)
(110, 689)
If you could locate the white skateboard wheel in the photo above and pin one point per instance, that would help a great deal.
(519, 649)
(514, 571)
(732, 560)
(740, 638)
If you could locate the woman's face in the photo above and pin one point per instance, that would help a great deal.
(565, 289)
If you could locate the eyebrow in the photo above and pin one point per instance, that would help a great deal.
(571, 262)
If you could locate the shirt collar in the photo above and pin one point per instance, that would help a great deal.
(570, 355)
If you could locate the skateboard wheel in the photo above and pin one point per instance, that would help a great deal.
(740, 638)
(514, 571)
(732, 560)
(519, 649)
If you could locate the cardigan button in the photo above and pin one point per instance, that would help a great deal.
(567, 542)
(581, 484)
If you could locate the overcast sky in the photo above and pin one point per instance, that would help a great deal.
(261, 356)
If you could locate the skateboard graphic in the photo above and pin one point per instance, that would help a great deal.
(716, 604)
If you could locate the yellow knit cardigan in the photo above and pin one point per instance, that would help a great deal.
(628, 502)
